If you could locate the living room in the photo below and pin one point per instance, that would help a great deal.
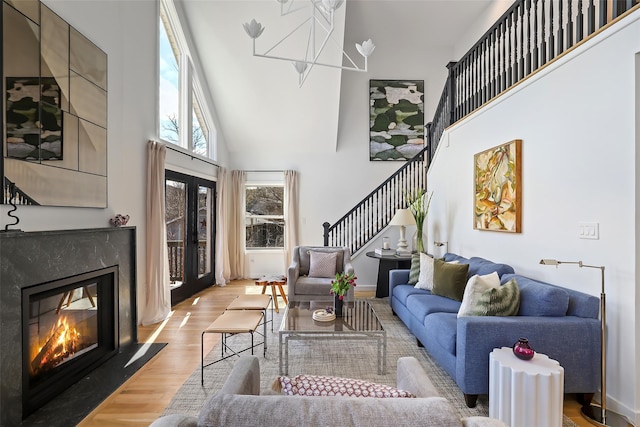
(578, 120)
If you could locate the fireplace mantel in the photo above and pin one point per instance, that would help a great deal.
(32, 258)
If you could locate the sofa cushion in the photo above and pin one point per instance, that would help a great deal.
(414, 272)
(246, 410)
(449, 279)
(476, 286)
(402, 292)
(480, 266)
(313, 286)
(321, 385)
(446, 325)
(322, 264)
(425, 279)
(423, 305)
(501, 301)
(539, 298)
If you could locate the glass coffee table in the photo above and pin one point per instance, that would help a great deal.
(359, 322)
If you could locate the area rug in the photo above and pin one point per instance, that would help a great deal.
(352, 359)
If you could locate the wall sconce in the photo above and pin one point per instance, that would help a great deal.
(604, 417)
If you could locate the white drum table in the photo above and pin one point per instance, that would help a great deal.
(525, 393)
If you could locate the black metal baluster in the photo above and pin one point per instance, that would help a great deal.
(591, 18)
(534, 66)
(552, 37)
(579, 23)
(503, 62)
(522, 52)
(543, 42)
(528, 37)
(560, 29)
(603, 12)
(493, 63)
(569, 25)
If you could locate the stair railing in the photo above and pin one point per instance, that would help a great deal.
(530, 34)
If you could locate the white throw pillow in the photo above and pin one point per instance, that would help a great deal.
(425, 279)
(322, 264)
(476, 285)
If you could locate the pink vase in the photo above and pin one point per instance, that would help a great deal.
(523, 350)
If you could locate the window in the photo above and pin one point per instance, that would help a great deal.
(264, 216)
(183, 115)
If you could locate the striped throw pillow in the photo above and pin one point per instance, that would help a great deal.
(501, 301)
(414, 273)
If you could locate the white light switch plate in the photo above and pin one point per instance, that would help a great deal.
(588, 230)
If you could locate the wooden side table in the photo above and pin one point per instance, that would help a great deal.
(525, 393)
(273, 282)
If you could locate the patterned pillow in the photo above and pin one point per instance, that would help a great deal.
(425, 279)
(414, 273)
(323, 264)
(318, 385)
(501, 301)
(476, 286)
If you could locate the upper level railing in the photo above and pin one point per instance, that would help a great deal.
(11, 191)
(527, 36)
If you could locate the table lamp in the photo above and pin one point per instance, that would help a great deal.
(402, 218)
(603, 417)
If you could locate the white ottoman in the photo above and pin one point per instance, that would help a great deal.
(525, 393)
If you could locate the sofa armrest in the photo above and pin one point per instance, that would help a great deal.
(293, 273)
(175, 420)
(482, 422)
(244, 377)
(573, 341)
(397, 277)
(412, 378)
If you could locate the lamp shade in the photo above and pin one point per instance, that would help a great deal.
(403, 217)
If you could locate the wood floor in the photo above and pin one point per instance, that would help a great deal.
(144, 396)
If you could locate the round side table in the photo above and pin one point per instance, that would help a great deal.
(525, 393)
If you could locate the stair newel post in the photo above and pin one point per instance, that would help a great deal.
(326, 226)
(451, 85)
(429, 142)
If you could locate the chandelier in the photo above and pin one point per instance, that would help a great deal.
(321, 22)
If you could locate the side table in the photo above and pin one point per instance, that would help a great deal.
(274, 281)
(525, 393)
(386, 264)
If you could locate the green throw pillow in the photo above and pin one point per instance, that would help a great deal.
(501, 301)
(414, 273)
(449, 279)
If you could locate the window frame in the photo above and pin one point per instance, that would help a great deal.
(190, 91)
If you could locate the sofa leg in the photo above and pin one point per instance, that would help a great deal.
(470, 400)
(419, 343)
(584, 398)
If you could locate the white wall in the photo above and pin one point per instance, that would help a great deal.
(127, 32)
(578, 122)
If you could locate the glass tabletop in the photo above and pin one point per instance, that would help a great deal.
(359, 317)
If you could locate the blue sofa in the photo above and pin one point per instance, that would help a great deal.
(561, 323)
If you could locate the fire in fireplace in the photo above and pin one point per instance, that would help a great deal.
(69, 328)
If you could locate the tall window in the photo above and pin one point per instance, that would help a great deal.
(183, 114)
(264, 216)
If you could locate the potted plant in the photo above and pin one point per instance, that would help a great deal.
(339, 287)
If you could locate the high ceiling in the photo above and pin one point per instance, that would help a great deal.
(253, 96)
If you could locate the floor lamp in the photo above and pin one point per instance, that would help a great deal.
(601, 416)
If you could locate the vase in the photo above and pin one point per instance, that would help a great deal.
(418, 241)
(337, 306)
(523, 350)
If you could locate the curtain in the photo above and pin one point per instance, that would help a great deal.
(290, 215)
(236, 225)
(223, 268)
(157, 294)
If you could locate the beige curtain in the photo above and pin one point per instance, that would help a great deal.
(223, 268)
(157, 294)
(236, 225)
(290, 215)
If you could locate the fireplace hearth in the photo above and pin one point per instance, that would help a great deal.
(49, 275)
(69, 327)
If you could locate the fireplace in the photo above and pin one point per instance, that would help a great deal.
(69, 327)
(33, 265)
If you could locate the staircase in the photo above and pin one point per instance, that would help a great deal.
(527, 37)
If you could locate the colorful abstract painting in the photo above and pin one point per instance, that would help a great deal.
(498, 188)
(34, 118)
(396, 119)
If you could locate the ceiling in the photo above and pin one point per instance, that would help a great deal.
(255, 96)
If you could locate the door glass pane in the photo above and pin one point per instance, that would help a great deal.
(169, 83)
(175, 219)
(204, 230)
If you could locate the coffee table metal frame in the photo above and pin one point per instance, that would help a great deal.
(360, 322)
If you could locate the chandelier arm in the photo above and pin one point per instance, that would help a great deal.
(286, 37)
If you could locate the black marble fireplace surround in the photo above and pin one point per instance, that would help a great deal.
(33, 258)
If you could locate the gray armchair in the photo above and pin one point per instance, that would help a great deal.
(303, 287)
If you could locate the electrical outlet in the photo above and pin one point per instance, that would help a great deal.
(588, 230)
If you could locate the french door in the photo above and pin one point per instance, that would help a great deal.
(190, 222)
